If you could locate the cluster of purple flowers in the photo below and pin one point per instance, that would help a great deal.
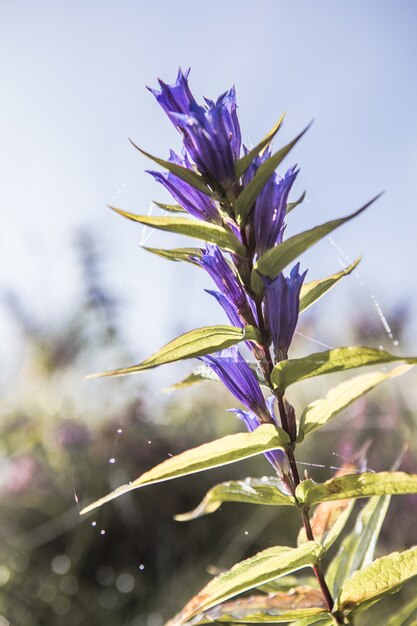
(211, 146)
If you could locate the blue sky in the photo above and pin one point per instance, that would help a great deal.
(74, 76)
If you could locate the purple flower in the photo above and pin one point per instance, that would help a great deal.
(270, 209)
(254, 166)
(176, 98)
(193, 201)
(227, 282)
(277, 458)
(240, 380)
(282, 306)
(228, 308)
(211, 133)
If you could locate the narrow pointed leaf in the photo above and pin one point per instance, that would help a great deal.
(357, 549)
(275, 608)
(276, 259)
(242, 164)
(177, 254)
(199, 375)
(286, 583)
(337, 399)
(315, 621)
(247, 197)
(315, 289)
(384, 576)
(192, 344)
(291, 371)
(257, 570)
(209, 455)
(191, 228)
(356, 486)
(187, 175)
(291, 205)
(251, 491)
(171, 208)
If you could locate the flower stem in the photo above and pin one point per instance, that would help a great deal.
(294, 472)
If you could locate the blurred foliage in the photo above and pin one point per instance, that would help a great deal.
(64, 441)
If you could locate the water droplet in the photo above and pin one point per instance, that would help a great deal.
(396, 343)
(112, 460)
(141, 567)
(119, 431)
(246, 532)
(102, 532)
(93, 523)
(380, 347)
(149, 441)
(170, 455)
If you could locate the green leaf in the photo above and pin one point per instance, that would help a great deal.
(171, 208)
(242, 164)
(291, 371)
(356, 486)
(248, 195)
(276, 259)
(187, 175)
(189, 345)
(317, 621)
(384, 576)
(192, 228)
(286, 583)
(315, 289)
(321, 411)
(357, 549)
(401, 617)
(251, 491)
(199, 375)
(257, 570)
(177, 254)
(213, 454)
(275, 608)
(291, 205)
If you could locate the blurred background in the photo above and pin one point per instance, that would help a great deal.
(78, 294)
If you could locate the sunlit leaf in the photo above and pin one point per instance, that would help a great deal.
(192, 344)
(286, 583)
(171, 208)
(242, 164)
(207, 456)
(356, 486)
(275, 608)
(384, 576)
(190, 227)
(276, 259)
(288, 372)
(321, 411)
(199, 375)
(357, 549)
(177, 254)
(251, 491)
(187, 175)
(291, 205)
(248, 195)
(315, 289)
(257, 570)
(314, 621)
